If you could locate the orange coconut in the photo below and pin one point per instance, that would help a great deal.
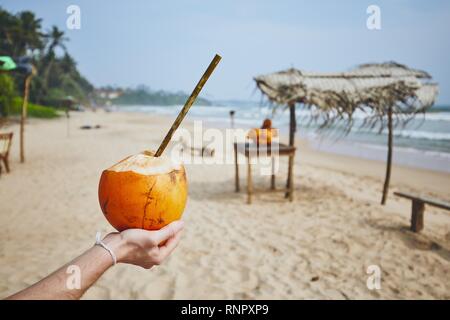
(143, 191)
(262, 136)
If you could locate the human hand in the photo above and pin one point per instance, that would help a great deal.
(145, 248)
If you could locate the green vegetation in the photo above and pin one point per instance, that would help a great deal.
(34, 110)
(145, 96)
(7, 93)
(12, 105)
(57, 76)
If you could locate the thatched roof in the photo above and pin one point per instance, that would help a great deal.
(338, 95)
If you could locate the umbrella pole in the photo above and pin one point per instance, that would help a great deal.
(389, 158)
(232, 119)
(292, 124)
(24, 116)
(292, 129)
(68, 125)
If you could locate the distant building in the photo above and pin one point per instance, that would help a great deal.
(109, 93)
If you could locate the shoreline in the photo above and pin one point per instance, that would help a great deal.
(424, 178)
(438, 161)
(335, 159)
(407, 157)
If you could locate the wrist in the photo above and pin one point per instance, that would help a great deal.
(117, 244)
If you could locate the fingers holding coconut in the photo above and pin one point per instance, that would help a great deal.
(148, 248)
(170, 245)
(169, 231)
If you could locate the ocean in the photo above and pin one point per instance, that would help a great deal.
(424, 142)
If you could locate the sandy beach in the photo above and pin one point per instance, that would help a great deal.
(317, 247)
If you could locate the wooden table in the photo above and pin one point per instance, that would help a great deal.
(274, 150)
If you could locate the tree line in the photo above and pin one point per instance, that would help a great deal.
(142, 95)
(22, 34)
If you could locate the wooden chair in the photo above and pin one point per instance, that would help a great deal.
(418, 208)
(5, 146)
(203, 151)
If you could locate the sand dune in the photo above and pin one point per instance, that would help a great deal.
(318, 246)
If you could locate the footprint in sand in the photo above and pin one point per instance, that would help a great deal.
(248, 280)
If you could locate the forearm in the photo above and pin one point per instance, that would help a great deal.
(73, 279)
(133, 246)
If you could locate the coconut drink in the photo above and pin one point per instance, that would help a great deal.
(143, 191)
(148, 190)
(264, 134)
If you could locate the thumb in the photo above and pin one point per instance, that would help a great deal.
(168, 231)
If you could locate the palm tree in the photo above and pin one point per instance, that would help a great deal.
(31, 35)
(19, 33)
(56, 39)
(68, 64)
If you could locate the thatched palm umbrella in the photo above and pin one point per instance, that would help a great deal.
(7, 63)
(389, 93)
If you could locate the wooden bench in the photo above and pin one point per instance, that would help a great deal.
(5, 146)
(418, 208)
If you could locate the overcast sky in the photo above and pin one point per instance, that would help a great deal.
(168, 44)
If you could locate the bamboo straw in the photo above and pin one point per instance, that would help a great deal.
(188, 104)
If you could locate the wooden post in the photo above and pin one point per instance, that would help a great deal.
(24, 116)
(236, 164)
(232, 118)
(417, 210)
(389, 158)
(249, 181)
(292, 130)
(292, 124)
(68, 124)
(272, 178)
(291, 179)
